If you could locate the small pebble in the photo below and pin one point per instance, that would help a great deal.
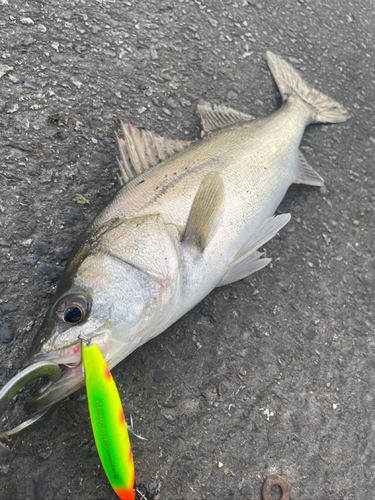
(67, 15)
(29, 261)
(231, 95)
(27, 243)
(28, 41)
(13, 108)
(4, 69)
(153, 488)
(154, 54)
(26, 20)
(57, 58)
(185, 102)
(77, 83)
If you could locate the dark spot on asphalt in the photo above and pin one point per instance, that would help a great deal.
(6, 335)
(8, 308)
(42, 249)
(50, 272)
(160, 375)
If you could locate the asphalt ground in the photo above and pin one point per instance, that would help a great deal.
(273, 374)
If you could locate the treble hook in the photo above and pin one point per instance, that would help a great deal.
(142, 497)
(82, 338)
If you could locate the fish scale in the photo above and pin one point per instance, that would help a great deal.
(240, 154)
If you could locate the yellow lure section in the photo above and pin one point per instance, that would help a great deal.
(108, 423)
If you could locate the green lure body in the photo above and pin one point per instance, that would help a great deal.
(108, 423)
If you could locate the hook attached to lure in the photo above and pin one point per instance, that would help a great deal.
(108, 421)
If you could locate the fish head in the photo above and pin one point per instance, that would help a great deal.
(118, 291)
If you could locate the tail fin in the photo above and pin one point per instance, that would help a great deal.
(325, 110)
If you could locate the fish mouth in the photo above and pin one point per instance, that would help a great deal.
(69, 359)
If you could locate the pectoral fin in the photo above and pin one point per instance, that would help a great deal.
(306, 174)
(205, 211)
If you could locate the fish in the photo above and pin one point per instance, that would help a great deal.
(189, 217)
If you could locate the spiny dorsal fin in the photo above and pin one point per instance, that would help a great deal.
(218, 117)
(142, 149)
(205, 211)
(306, 174)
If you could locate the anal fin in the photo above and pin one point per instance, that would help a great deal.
(306, 174)
(205, 211)
(248, 260)
(247, 266)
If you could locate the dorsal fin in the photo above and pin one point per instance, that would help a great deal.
(142, 149)
(217, 117)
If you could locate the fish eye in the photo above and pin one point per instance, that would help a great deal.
(72, 314)
(72, 309)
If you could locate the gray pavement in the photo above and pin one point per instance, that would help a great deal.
(273, 374)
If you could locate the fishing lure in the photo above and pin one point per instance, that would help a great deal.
(108, 422)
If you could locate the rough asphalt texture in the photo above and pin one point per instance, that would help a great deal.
(273, 374)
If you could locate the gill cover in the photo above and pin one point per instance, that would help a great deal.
(108, 423)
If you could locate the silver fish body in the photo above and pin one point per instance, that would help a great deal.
(256, 174)
(179, 227)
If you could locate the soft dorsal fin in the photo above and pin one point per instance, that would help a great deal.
(306, 174)
(217, 117)
(142, 149)
(205, 211)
